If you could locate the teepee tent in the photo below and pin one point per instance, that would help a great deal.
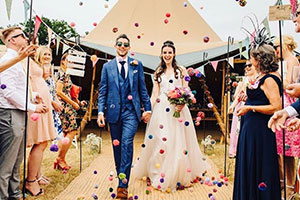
(144, 21)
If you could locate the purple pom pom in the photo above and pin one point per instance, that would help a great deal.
(3, 86)
(187, 78)
(54, 148)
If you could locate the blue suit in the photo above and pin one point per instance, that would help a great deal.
(123, 113)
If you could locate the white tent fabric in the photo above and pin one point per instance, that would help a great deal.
(145, 19)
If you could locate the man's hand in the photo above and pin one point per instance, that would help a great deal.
(293, 90)
(146, 117)
(277, 120)
(100, 120)
(41, 108)
(293, 125)
(26, 51)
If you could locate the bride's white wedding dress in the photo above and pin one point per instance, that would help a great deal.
(170, 153)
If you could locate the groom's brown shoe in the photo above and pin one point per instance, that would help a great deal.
(122, 193)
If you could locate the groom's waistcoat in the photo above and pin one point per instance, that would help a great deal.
(125, 92)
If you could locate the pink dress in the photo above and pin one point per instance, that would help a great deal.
(292, 139)
(235, 130)
(42, 129)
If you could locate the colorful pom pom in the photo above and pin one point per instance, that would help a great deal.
(116, 142)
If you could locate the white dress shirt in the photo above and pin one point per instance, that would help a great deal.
(14, 95)
(125, 65)
(291, 111)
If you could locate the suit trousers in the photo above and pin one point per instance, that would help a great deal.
(12, 125)
(124, 131)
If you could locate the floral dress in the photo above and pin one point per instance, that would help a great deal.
(68, 114)
(57, 122)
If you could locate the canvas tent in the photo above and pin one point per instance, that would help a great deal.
(145, 18)
(2, 50)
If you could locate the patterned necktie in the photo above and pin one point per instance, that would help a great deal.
(122, 69)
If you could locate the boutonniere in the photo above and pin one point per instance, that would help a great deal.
(134, 63)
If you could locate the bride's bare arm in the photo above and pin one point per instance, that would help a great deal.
(155, 93)
(184, 73)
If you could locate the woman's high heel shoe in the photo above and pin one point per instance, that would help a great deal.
(27, 191)
(61, 165)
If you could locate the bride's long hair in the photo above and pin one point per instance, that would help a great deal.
(162, 65)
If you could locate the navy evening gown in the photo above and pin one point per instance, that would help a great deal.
(256, 159)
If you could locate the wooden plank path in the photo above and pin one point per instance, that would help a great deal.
(83, 186)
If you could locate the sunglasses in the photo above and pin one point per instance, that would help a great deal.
(125, 44)
(248, 65)
(18, 35)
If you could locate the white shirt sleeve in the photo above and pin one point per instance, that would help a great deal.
(291, 111)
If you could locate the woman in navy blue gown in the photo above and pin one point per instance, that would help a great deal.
(256, 170)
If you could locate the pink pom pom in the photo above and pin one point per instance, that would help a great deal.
(163, 175)
(129, 97)
(189, 170)
(180, 119)
(159, 187)
(95, 24)
(116, 142)
(110, 178)
(65, 141)
(34, 116)
(72, 24)
(210, 105)
(198, 119)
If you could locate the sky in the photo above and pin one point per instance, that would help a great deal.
(224, 16)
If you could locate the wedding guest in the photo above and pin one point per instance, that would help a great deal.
(292, 138)
(68, 114)
(22, 53)
(171, 151)
(41, 130)
(256, 159)
(250, 74)
(12, 114)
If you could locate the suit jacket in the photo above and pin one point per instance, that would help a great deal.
(110, 97)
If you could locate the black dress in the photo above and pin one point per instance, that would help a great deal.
(256, 160)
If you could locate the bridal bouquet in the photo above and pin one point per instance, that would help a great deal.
(180, 96)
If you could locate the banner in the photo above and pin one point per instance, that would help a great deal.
(26, 8)
(49, 35)
(8, 7)
(37, 25)
(57, 44)
(214, 64)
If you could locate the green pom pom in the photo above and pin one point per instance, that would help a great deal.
(122, 176)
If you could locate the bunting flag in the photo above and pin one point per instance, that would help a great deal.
(247, 43)
(49, 35)
(231, 62)
(214, 64)
(8, 7)
(201, 69)
(26, 8)
(65, 48)
(240, 46)
(37, 25)
(266, 24)
(94, 62)
(152, 78)
(57, 44)
(245, 54)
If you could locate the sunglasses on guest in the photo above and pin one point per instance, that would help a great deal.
(18, 35)
(125, 44)
(248, 65)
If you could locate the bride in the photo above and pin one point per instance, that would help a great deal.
(170, 157)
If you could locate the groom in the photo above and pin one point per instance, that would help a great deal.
(122, 92)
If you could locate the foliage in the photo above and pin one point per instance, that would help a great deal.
(60, 27)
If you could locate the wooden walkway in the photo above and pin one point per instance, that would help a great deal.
(83, 186)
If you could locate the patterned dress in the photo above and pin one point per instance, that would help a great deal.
(57, 123)
(68, 114)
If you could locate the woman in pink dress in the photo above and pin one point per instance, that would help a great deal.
(250, 73)
(40, 131)
(292, 138)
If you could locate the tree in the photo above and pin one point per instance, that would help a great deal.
(60, 27)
